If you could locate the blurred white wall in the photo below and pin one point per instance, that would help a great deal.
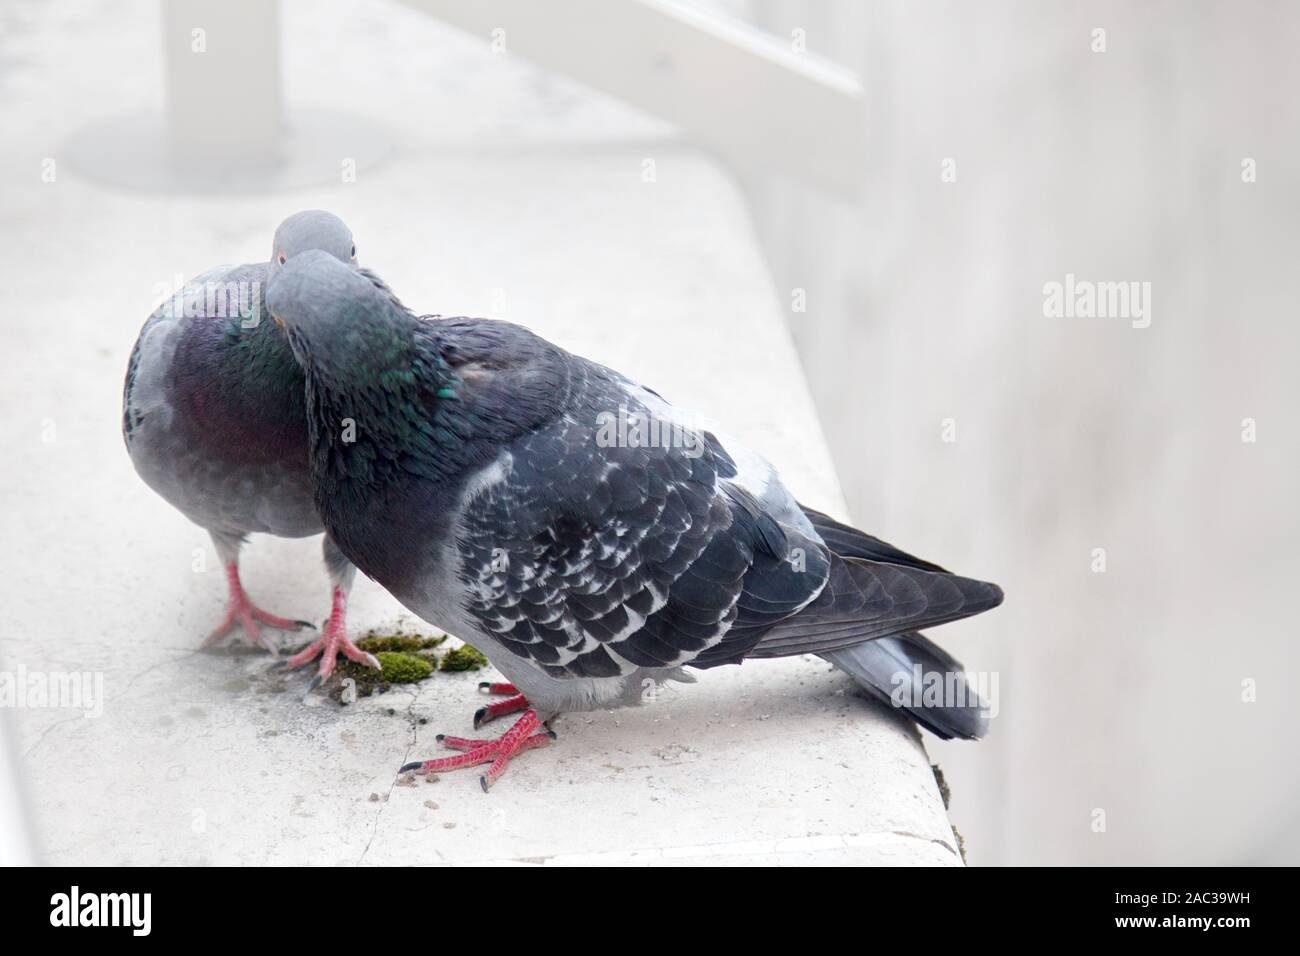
(1120, 691)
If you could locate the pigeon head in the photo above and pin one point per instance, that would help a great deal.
(369, 374)
(312, 229)
(341, 323)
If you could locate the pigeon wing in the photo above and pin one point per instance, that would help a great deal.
(594, 557)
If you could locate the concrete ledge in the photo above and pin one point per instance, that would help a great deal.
(207, 758)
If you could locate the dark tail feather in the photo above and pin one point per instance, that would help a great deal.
(867, 600)
(889, 668)
(849, 542)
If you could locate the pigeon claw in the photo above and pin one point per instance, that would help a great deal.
(241, 611)
(499, 708)
(523, 735)
(327, 647)
(333, 641)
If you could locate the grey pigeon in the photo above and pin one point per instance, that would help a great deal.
(214, 421)
(485, 488)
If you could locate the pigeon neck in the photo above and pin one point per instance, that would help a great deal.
(376, 415)
(240, 388)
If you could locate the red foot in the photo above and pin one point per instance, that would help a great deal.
(499, 708)
(332, 640)
(498, 752)
(242, 611)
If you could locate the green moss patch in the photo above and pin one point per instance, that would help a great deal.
(405, 643)
(939, 778)
(402, 668)
(406, 658)
(463, 658)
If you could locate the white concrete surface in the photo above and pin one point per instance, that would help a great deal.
(510, 194)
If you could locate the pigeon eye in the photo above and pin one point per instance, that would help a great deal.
(280, 258)
(353, 253)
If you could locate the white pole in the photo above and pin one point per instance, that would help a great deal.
(223, 89)
(17, 843)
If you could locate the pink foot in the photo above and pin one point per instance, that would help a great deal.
(332, 640)
(498, 753)
(242, 611)
(514, 701)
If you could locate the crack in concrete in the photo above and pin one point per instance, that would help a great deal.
(718, 850)
(126, 690)
(413, 724)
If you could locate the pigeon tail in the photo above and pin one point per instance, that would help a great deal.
(912, 673)
(867, 620)
(867, 600)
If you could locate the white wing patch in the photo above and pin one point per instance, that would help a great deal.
(754, 473)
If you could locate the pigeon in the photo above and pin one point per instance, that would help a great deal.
(214, 421)
(577, 528)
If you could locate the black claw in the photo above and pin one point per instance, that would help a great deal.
(483, 782)
(484, 687)
(411, 766)
(278, 665)
(552, 734)
(306, 624)
(315, 682)
(440, 738)
(478, 716)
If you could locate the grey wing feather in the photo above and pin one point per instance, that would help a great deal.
(849, 542)
(864, 600)
(594, 559)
